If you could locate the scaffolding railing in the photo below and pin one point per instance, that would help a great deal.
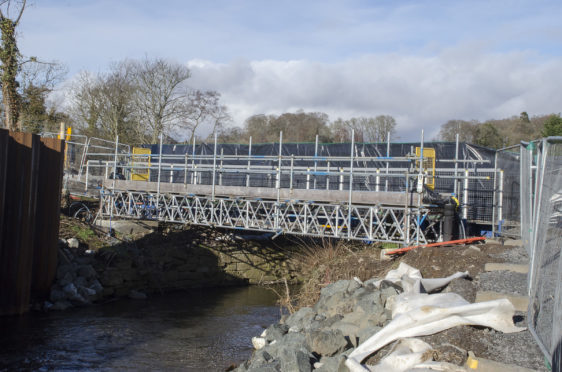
(477, 183)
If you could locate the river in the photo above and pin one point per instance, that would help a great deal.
(207, 329)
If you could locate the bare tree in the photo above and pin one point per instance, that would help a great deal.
(104, 106)
(465, 129)
(201, 107)
(367, 129)
(140, 100)
(161, 96)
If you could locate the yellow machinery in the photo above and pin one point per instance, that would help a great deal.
(428, 165)
(141, 164)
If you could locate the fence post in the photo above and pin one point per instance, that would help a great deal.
(277, 209)
(221, 166)
(328, 176)
(185, 171)
(291, 177)
(249, 161)
(456, 181)
(387, 157)
(465, 196)
(315, 161)
(341, 179)
(159, 175)
(214, 170)
(349, 232)
(500, 197)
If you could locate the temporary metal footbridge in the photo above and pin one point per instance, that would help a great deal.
(355, 196)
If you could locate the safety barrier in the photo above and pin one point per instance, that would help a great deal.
(544, 242)
(30, 183)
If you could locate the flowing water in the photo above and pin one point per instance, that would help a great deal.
(208, 329)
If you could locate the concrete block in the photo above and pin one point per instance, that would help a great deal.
(516, 268)
(513, 243)
(474, 363)
(129, 226)
(519, 302)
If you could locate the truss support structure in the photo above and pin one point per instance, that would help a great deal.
(374, 223)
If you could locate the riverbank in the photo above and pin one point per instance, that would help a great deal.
(335, 313)
(94, 267)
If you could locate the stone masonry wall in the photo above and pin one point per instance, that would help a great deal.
(168, 261)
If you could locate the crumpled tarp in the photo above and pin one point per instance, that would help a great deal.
(415, 313)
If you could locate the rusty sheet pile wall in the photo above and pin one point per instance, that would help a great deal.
(31, 171)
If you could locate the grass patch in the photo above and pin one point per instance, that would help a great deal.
(326, 261)
(83, 233)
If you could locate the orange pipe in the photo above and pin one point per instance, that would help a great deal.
(450, 242)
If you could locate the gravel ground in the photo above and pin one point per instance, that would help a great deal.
(512, 254)
(506, 282)
(516, 348)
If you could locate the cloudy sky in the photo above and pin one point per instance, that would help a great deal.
(423, 62)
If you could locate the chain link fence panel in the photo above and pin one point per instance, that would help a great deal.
(545, 276)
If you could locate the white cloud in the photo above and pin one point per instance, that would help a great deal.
(419, 91)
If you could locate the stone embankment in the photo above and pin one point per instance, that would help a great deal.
(163, 262)
(348, 312)
(320, 337)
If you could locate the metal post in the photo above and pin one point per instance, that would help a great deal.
(341, 179)
(112, 199)
(214, 170)
(159, 175)
(387, 157)
(185, 171)
(249, 160)
(407, 211)
(494, 195)
(171, 173)
(465, 196)
(377, 180)
(115, 160)
(500, 197)
(542, 152)
(221, 166)
(87, 171)
(328, 175)
(194, 174)
(277, 209)
(420, 190)
(278, 183)
(456, 181)
(291, 176)
(350, 183)
(307, 178)
(315, 160)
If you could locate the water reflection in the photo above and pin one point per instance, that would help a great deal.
(206, 329)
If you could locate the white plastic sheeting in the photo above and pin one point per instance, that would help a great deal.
(418, 314)
(412, 353)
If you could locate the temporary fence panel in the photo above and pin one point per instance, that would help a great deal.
(545, 307)
(507, 217)
(527, 200)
